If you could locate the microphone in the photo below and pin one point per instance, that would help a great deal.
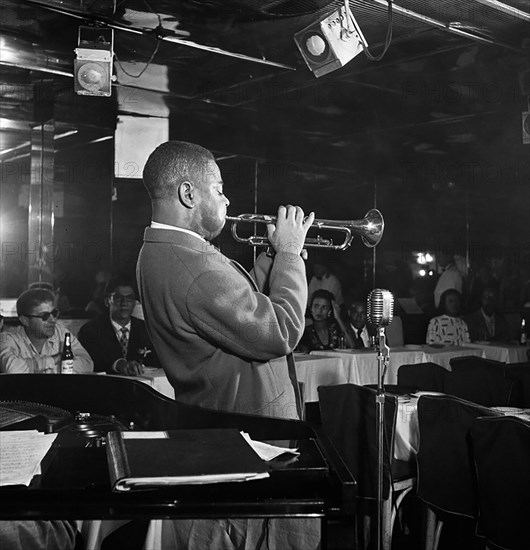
(380, 307)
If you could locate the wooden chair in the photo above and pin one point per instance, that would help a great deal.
(501, 449)
(349, 416)
(445, 465)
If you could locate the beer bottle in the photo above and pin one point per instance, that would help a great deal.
(523, 337)
(67, 357)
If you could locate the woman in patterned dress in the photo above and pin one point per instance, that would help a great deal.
(448, 328)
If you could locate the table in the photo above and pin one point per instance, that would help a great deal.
(407, 434)
(324, 370)
(361, 365)
(158, 380)
(443, 355)
(311, 372)
(505, 353)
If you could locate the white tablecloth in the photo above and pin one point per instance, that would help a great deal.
(313, 371)
(159, 382)
(505, 353)
(407, 433)
(442, 356)
(361, 365)
(156, 378)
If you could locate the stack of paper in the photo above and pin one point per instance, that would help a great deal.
(21, 453)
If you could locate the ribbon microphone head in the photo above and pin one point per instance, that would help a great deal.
(380, 307)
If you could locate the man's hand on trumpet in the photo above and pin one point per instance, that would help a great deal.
(289, 233)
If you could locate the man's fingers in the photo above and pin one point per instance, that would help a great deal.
(308, 222)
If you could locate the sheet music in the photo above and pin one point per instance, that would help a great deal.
(21, 453)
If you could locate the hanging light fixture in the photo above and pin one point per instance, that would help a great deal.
(93, 63)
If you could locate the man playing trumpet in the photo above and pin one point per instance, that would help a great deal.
(216, 327)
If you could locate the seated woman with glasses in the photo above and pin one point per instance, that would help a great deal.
(36, 345)
(327, 328)
(118, 342)
(448, 328)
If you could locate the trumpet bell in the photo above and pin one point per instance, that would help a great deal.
(372, 229)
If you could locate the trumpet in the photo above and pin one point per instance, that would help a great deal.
(370, 228)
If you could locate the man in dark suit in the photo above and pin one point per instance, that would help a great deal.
(485, 324)
(359, 331)
(117, 342)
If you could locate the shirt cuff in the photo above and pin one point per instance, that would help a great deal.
(114, 367)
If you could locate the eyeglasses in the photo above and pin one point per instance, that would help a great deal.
(123, 298)
(46, 315)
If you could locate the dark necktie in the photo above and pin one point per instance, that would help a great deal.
(124, 341)
(359, 344)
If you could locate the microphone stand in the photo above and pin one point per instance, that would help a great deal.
(382, 364)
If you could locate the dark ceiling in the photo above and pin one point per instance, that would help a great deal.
(442, 108)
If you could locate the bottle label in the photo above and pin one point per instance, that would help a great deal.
(67, 366)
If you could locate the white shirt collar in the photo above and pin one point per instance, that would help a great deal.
(158, 225)
(117, 327)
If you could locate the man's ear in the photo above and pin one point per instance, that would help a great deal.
(106, 301)
(186, 195)
(23, 320)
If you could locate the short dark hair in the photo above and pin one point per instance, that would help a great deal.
(322, 293)
(119, 280)
(32, 298)
(172, 163)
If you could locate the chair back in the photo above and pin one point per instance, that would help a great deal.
(519, 375)
(501, 447)
(423, 376)
(445, 465)
(479, 380)
(349, 419)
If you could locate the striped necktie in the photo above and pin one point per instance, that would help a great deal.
(124, 340)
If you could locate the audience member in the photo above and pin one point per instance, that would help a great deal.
(36, 345)
(327, 327)
(96, 306)
(486, 324)
(357, 329)
(448, 328)
(116, 341)
(323, 279)
(70, 299)
(450, 278)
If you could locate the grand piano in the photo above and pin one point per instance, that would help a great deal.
(74, 483)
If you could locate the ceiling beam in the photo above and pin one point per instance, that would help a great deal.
(158, 33)
(505, 8)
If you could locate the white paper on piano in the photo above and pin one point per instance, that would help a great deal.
(21, 453)
(265, 451)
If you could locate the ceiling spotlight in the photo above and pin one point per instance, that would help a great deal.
(93, 63)
(330, 43)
